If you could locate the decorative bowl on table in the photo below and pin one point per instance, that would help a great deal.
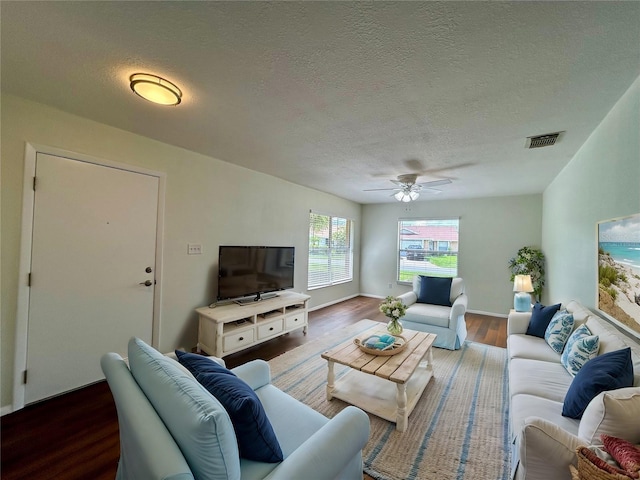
(382, 344)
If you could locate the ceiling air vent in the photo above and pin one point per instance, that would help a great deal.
(545, 140)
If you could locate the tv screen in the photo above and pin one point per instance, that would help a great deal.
(253, 271)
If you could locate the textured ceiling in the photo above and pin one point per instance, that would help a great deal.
(343, 96)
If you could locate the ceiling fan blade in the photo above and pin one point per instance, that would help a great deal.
(436, 183)
(433, 191)
(380, 189)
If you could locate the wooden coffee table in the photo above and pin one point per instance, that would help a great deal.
(386, 386)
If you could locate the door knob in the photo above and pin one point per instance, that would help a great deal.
(147, 283)
(148, 269)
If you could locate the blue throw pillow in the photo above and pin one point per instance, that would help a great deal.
(580, 348)
(540, 318)
(435, 290)
(608, 371)
(200, 364)
(559, 330)
(256, 438)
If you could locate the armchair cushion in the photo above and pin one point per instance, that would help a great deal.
(435, 290)
(198, 423)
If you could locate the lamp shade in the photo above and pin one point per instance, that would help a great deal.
(522, 283)
(155, 89)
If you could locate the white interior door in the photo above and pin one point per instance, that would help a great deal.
(94, 243)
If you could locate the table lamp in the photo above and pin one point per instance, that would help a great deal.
(522, 286)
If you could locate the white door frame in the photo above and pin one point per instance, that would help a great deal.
(28, 198)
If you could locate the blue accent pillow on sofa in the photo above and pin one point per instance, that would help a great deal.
(540, 318)
(608, 371)
(256, 438)
(196, 364)
(435, 290)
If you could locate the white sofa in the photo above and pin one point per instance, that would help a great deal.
(543, 441)
(446, 322)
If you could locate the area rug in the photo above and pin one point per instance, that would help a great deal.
(458, 429)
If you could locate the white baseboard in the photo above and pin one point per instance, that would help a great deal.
(6, 410)
(491, 314)
(318, 307)
(371, 295)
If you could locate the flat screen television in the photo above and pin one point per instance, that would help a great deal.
(251, 271)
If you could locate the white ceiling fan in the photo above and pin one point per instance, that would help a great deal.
(407, 189)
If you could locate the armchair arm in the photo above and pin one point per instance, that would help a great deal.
(518, 322)
(458, 309)
(546, 450)
(408, 298)
(256, 373)
(326, 453)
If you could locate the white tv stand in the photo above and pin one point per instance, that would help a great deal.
(229, 328)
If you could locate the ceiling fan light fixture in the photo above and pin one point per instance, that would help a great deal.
(406, 196)
(155, 89)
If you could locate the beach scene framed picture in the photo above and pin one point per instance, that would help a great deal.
(619, 270)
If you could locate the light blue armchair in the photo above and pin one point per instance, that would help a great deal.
(172, 428)
(447, 322)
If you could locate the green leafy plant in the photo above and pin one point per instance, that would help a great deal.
(529, 261)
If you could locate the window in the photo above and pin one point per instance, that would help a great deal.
(427, 247)
(330, 250)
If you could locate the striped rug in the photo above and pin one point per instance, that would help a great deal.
(458, 429)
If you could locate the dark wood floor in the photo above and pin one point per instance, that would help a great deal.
(75, 436)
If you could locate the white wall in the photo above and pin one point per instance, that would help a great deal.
(208, 201)
(602, 181)
(491, 232)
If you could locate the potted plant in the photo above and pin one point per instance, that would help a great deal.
(529, 261)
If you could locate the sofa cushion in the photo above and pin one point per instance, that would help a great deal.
(197, 421)
(542, 379)
(524, 406)
(614, 412)
(559, 330)
(580, 348)
(435, 290)
(540, 318)
(533, 348)
(609, 371)
(256, 438)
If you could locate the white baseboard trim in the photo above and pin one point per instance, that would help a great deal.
(6, 410)
(371, 295)
(491, 314)
(318, 307)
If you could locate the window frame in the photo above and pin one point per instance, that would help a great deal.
(430, 247)
(343, 272)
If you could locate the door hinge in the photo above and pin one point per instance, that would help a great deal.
(34, 184)
(24, 377)
(29, 279)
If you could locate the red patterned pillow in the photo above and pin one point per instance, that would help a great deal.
(625, 453)
(604, 466)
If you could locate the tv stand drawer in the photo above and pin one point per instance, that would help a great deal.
(237, 340)
(294, 321)
(269, 329)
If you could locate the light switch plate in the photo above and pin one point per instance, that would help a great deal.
(194, 249)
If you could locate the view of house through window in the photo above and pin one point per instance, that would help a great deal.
(427, 247)
(330, 250)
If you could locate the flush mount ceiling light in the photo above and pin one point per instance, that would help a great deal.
(155, 89)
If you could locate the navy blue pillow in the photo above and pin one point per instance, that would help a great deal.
(256, 438)
(254, 433)
(608, 371)
(435, 290)
(200, 364)
(540, 318)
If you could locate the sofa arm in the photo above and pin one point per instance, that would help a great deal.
(326, 453)
(518, 322)
(546, 450)
(256, 373)
(408, 298)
